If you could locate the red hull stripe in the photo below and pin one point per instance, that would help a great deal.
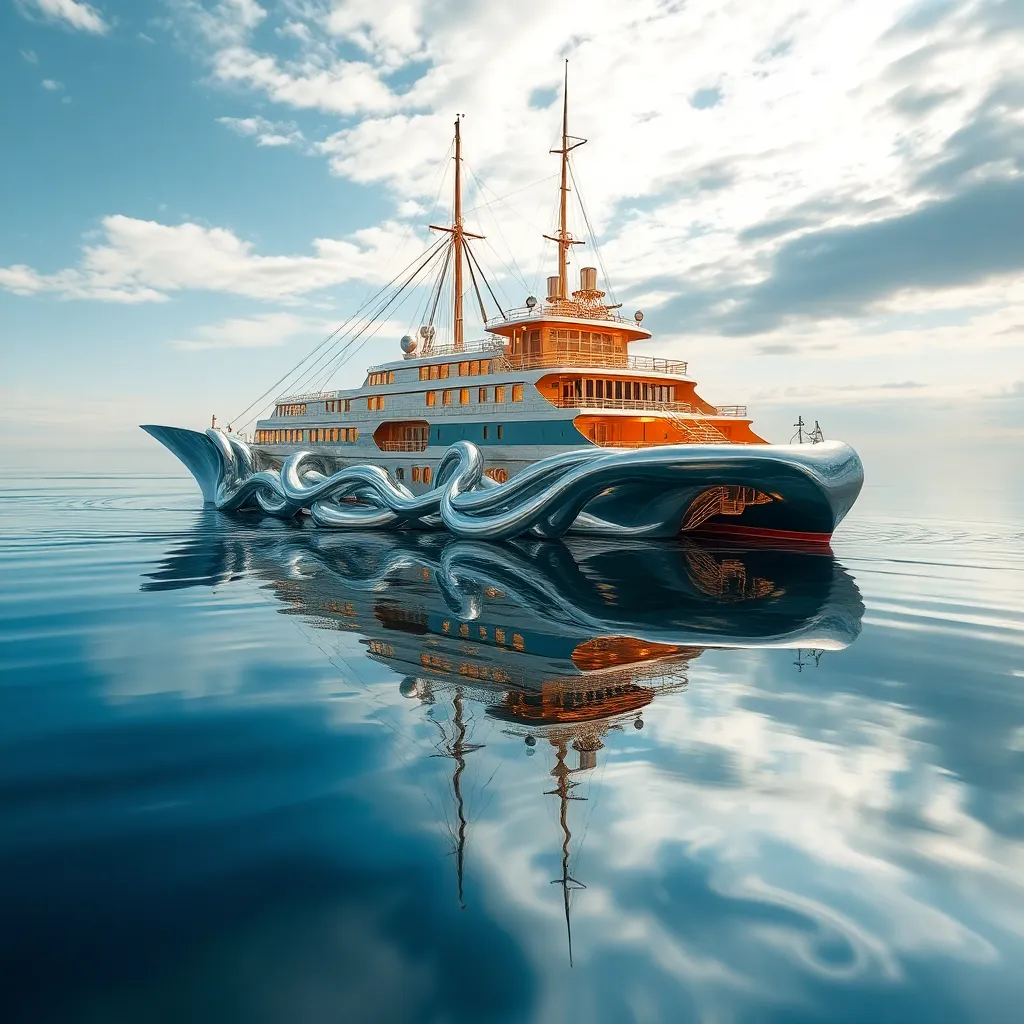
(759, 533)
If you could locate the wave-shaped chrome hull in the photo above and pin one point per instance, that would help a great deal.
(797, 490)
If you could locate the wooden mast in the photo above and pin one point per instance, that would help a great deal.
(457, 337)
(564, 239)
(459, 235)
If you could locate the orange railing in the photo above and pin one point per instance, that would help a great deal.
(559, 357)
(638, 404)
(402, 446)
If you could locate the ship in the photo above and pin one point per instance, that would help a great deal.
(549, 423)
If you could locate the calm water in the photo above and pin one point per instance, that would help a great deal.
(252, 772)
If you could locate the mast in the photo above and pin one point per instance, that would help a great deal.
(457, 337)
(561, 773)
(564, 239)
(458, 243)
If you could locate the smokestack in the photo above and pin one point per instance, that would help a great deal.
(588, 279)
(553, 289)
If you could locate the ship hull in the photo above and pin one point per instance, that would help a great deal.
(771, 493)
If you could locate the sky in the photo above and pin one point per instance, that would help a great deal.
(820, 206)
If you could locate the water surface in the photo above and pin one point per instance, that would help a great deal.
(255, 772)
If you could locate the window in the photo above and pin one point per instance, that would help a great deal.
(481, 395)
(517, 392)
(444, 370)
(485, 433)
(464, 630)
(474, 368)
(590, 388)
(427, 474)
(434, 371)
(599, 389)
(348, 405)
(500, 431)
(463, 396)
(354, 434)
(375, 402)
(485, 366)
(463, 369)
(415, 474)
(618, 390)
(499, 636)
(499, 393)
(424, 372)
(517, 641)
(446, 398)
(431, 398)
(399, 474)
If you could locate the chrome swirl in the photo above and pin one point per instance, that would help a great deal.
(638, 492)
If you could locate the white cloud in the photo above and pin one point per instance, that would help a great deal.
(144, 261)
(50, 85)
(30, 56)
(264, 331)
(804, 113)
(73, 14)
(266, 133)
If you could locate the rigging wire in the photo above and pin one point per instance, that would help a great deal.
(382, 305)
(334, 334)
(593, 236)
(347, 352)
(473, 259)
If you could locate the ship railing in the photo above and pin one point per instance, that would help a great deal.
(563, 357)
(402, 446)
(546, 310)
(731, 410)
(638, 404)
(488, 345)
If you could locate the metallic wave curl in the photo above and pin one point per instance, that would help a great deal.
(638, 492)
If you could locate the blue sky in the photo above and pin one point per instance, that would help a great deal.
(820, 206)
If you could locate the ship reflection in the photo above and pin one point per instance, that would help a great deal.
(558, 643)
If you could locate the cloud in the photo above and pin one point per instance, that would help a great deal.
(842, 271)
(73, 14)
(30, 56)
(145, 261)
(266, 133)
(50, 85)
(264, 331)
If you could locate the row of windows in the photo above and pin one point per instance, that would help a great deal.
(627, 390)
(467, 669)
(499, 635)
(584, 337)
(384, 377)
(375, 402)
(290, 410)
(469, 368)
(496, 394)
(321, 435)
(338, 405)
(424, 473)
(334, 435)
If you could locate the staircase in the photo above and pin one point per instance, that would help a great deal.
(696, 430)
